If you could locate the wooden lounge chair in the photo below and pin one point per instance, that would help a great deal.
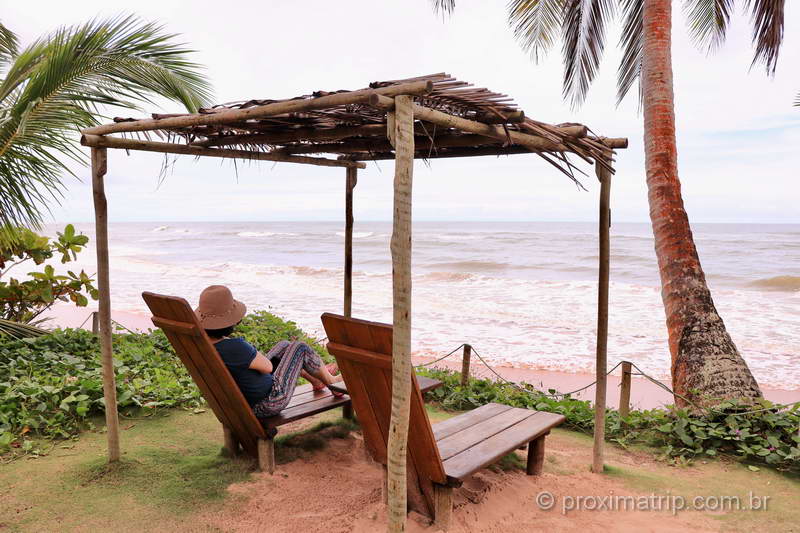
(240, 425)
(439, 457)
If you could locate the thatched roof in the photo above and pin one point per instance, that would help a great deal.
(352, 125)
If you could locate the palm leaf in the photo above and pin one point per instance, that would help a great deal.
(61, 82)
(584, 32)
(631, 42)
(8, 45)
(535, 24)
(767, 19)
(708, 21)
(445, 7)
(18, 330)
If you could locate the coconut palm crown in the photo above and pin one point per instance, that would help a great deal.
(581, 24)
(61, 82)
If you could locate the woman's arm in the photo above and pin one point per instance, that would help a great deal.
(261, 364)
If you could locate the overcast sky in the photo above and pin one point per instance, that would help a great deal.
(738, 134)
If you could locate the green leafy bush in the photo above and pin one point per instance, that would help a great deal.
(768, 436)
(25, 300)
(51, 385)
(263, 330)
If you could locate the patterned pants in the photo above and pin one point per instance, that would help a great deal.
(293, 357)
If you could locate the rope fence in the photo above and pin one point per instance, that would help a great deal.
(467, 372)
(625, 385)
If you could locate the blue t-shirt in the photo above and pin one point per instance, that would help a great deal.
(237, 354)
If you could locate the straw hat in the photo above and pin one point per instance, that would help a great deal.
(217, 309)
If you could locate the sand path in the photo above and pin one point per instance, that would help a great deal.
(337, 490)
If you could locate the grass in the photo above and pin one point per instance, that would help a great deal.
(172, 467)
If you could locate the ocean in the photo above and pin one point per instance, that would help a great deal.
(524, 294)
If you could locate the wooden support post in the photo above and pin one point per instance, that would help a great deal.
(401, 311)
(99, 167)
(443, 512)
(535, 456)
(95, 322)
(384, 485)
(604, 175)
(266, 455)
(231, 443)
(350, 183)
(625, 390)
(465, 365)
(347, 411)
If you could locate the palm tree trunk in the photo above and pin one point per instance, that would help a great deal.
(706, 366)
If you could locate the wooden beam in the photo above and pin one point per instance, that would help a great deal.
(350, 183)
(268, 110)
(381, 145)
(99, 167)
(449, 153)
(531, 142)
(604, 175)
(488, 117)
(98, 141)
(298, 135)
(403, 139)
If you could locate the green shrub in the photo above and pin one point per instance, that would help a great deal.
(768, 436)
(50, 386)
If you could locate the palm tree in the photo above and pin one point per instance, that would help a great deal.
(706, 365)
(57, 85)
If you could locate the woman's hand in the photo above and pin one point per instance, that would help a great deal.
(261, 364)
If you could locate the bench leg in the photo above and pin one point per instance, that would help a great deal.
(231, 445)
(443, 511)
(266, 455)
(535, 456)
(347, 411)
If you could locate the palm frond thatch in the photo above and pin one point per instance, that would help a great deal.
(58, 84)
(767, 19)
(708, 21)
(18, 330)
(584, 36)
(536, 24)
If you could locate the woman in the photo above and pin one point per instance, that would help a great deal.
(266, 381)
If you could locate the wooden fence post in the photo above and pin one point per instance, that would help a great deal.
(465, 365)
(625, 390)
(96, 322)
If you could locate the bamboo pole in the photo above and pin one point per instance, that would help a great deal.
(401, 315)
(604, 175)
(300, 134)
(99, 167)
(350, 183)
(99, 141)
(382, 145)
(268, 110)
(625, 390)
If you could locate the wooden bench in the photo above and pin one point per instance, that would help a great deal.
(240, 425)
(439, 458)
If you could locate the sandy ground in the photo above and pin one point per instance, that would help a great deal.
(644, 394)
(338, 490)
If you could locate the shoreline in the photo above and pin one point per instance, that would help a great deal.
(644, 394)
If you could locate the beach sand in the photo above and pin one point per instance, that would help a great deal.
(644, 393)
